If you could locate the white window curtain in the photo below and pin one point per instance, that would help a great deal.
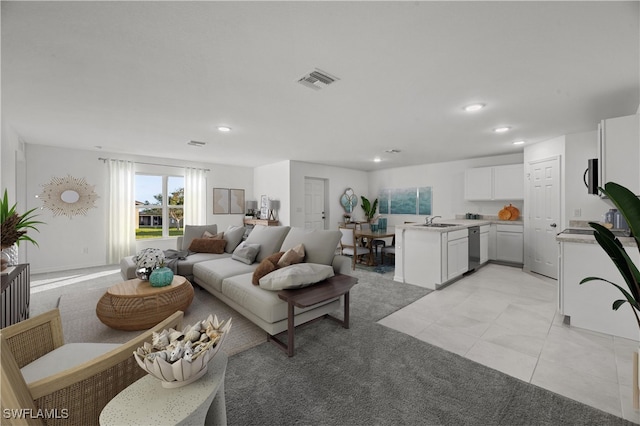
(122, 226)
(195, 197)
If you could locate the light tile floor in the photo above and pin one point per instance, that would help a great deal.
(506, 319)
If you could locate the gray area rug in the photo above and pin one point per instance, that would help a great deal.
(373, 375)
(80, 324)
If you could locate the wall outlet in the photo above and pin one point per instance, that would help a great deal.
(577, 213)
(85, 250)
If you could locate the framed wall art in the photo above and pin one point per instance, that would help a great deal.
(221, 201)
(236, 201)
(264, 207)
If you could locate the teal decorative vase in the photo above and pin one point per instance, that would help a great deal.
(161, 277)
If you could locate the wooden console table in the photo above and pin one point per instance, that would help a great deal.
(16, 294)
(326, 290)
(264, 222)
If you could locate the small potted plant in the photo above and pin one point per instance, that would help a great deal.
(369, 208)
(14, 226)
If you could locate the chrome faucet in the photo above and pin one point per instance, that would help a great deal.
(429, 220)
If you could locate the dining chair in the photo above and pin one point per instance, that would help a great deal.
(388, 250)
(349, 246)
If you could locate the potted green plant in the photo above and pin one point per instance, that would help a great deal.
(369, 208)
(629, 206)
(14, 226)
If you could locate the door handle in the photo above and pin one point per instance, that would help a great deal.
(553, 225)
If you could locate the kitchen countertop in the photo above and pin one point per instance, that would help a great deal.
(590, 239)
(460, 224)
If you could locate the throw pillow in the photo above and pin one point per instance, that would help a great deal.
(217, 236)
(195, 231)
(207, 245)
(296, 276)
(269, 264)
(233, 235)
(292, 256)
(246, 253)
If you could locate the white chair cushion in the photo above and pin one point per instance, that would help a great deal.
(65, 357)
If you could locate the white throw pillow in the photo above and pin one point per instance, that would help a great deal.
(296, 276)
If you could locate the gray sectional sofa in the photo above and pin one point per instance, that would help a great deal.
(230, 279)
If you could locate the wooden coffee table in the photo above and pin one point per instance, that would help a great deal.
(136, 305)
(328, 289)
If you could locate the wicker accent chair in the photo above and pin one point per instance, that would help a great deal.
(83, 390)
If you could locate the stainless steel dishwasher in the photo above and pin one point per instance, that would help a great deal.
(474, 247)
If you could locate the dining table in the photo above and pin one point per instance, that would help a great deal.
(370, 235)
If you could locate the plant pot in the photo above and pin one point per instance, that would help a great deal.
(11, 254)
(161, 277)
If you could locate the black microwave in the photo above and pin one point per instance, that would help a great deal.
(590, 177)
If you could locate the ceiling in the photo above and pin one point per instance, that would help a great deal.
(148, 77)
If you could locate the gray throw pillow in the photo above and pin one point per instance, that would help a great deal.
(246, 253)
(233, 235)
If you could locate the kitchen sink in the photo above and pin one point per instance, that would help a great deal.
(438, 225)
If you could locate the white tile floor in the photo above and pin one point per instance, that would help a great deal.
(506, 319)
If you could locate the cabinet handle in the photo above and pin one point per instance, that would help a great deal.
(553, 225)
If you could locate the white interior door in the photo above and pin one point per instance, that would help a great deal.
(314, 217)
(544, 216)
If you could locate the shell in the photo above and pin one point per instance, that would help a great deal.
(188, 352)
(192, 335)
(175, 336)
(176, 353)
(160, 340)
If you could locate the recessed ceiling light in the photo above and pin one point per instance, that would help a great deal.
(377, 159)
(502, 129)
(224, 129)
(474, 107)
(518, 143)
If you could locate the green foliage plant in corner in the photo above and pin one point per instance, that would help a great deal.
(369, 208)
(629, 206)
(14, 226)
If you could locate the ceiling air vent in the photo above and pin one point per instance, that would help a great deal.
(318, 79)
(196, 143)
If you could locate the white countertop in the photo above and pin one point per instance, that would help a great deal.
(590, 239)
(460, 224)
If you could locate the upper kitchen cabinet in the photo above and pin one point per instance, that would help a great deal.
(494, 183)
(619, 150)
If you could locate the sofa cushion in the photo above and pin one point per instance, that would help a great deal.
(292, 256)
(296, 276)
(195, 231)
(207, 245)
(270, 264)
(270, 239)
(233, 235)
(262, 303)
(211, 273)
(319, 245)
(246, 252)
(64, 357)
(185, 267)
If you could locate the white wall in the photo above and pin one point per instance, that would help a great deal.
(580, 147)
(81, 241)
(447, 182)
(337, 180)
(272, 180)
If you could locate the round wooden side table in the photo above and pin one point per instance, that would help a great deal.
(136, 305)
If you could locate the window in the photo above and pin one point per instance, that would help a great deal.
(159, 206)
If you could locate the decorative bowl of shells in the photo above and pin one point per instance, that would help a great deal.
(178, 358)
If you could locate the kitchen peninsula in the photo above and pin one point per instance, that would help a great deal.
(436, 255)
(588, 305)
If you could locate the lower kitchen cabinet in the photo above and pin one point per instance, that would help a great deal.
(457, 253)
(484, 244)
(509, 243)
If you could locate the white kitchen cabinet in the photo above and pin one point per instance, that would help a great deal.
(478, 183)
(619, 152)
(510, 243)
(589, 305)
(484, 244)
(495, 183)
(457, 253)
(493, 241)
